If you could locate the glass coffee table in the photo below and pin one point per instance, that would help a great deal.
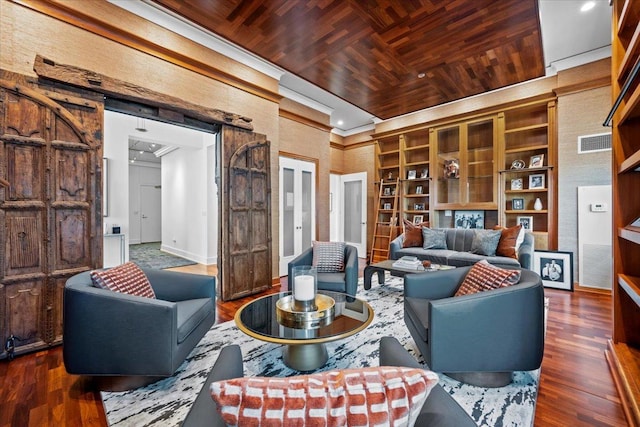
(381, 267)
(305, 348)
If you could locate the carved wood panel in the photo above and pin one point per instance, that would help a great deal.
(246, 208)
(50, 213)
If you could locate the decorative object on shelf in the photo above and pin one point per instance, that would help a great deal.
(419, 189)
(526, 222)
(536, 181)
(451, 168)
(517, 204)
(390, 175)
(418, 207)
(516, 184)
(424, 173)
(305, 288)
(411, 174)
(538, 204)
(417, 219)
(469, 219)
(517, 164)
(536, 161)
(387, 191)
(386, 206)
(393, 191)
(555, 268)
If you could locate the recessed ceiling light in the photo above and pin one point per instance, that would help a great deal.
(587, 6)
(340, 122)
(421, 75)
(141, 152)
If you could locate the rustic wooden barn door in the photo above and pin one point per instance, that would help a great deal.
(246, 208)
(50, 205)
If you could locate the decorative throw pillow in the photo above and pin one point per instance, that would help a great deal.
(328, 257)
(433, 239)
(413, 234)
(507, 246)
(485, 242)
(367, 396)
(484, 277)
(127, 278)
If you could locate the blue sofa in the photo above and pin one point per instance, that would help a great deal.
(458, 251)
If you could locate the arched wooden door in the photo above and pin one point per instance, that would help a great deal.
(50, 206)
(246, 243)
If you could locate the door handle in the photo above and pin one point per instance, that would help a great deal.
(144, 216)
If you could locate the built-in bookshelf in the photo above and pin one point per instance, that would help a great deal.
(623, 352)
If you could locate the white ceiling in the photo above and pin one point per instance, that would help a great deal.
(569, 38)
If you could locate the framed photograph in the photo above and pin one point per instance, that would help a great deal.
(536, 161)
(417, 219)
(526, 222)
(418, 207)
(469, 219)
(419, 189)
(517, 204)
(516, 184)
(424, 173)
(387, 191)
(555, 268)
(386, 206)
(411, 174)
(536, 181)
(451, 168)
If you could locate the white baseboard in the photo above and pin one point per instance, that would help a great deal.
(188, 255)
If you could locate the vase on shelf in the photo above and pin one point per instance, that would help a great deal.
(538, 204)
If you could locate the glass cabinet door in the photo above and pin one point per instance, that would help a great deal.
(448, 165)
(480, 175)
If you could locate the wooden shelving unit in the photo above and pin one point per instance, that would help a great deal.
(623, 352)
(529, 131)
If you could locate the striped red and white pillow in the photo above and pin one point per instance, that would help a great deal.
(127, 278)
(365, 396)
(484, 277)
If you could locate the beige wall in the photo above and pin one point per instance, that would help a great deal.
(580, 113)
(25, 33)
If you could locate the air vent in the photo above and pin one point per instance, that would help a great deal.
(593, 143)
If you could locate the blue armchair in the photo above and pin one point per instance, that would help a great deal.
(346, 281)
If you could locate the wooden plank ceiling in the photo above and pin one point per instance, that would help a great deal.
(370, 53)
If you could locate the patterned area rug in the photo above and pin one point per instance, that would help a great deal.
(149, 255)
(167, 402)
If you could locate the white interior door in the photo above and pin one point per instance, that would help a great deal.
(150, 214)
(354, 211)
(297, 209)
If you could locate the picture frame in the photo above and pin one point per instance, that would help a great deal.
(536, 161)
(417, 219)
(424, 173)
(418, 207)
(411, 174)
(469, 219)
(517, 204)
(419, 189)
(536, 181)
(387, 191)
(526, 221)
(452, 169)
(555, 268)
(516, 184)
(386, 206)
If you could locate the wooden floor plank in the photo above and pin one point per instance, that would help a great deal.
(576, 387)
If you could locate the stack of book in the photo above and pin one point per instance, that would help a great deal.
(409, 263)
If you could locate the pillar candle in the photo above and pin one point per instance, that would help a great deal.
(303, 289)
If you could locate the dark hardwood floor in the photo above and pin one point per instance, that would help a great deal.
(576, 388)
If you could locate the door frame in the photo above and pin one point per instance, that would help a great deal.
(357, 176)
(282, 264)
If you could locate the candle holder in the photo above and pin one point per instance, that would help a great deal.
(304, 288)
